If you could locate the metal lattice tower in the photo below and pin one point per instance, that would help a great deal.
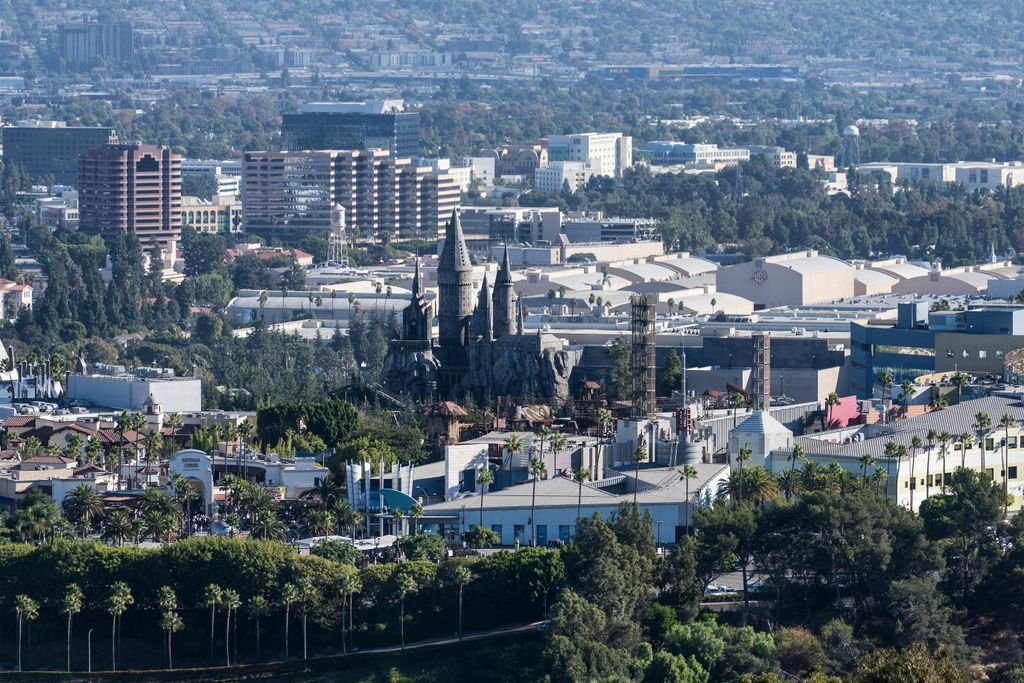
(642, 356)
(762, 371)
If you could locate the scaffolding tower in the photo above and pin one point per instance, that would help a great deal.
(762, 371)
(642, 356)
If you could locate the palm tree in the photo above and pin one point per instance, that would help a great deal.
(867, 460)
(74, 447)
(537, 470)
(1006, 421)
(171, 622)
(123, 426)
(212, 596)
(796, 456)
(153, 443)
(289, 595)
(885, 378)
(484, 478)
(906, 393)
(415, 512)
(959, 381)
(737, 401)
(582, 475)
(348, 517)
(83, 506)
(513, 446)
(639, 455)
(879, 477)
(541, 436)
(937, 401)
(308, 595)
(915, 444)
(118, 526)
(231, 601)
(688, 471)
(245, 432)
(789, 483)
(93, 451)
(966, 440)
(319, 523)
(558, 442)
(72, 605)
(982, 423)
(405, 584)
(27, 609)
(325, 490)
(120, 598)
(174, 423)
(397, 516)
(755, 484)
(831, 401)
(744, 456)
(460, 577)
(266, 526)
(350, 585)
(258, 608)
(159, 526)
(944, 439)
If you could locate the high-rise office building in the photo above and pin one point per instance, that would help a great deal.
(379, 124)
(287, 193)
(88, 44)
(131, 188)
(49, 150)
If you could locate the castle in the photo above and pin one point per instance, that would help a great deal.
(481, 348)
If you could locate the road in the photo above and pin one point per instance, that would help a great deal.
(475, 635)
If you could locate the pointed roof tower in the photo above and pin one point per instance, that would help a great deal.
(505, 272)
(416, 291)
(454, 255)
(480, 325)
(519, 315)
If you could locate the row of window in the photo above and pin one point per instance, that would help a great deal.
(936, 479)
(521, 533)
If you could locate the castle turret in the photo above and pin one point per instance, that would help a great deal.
(455, 287)
(416, 316)
(504, 298)
(480, 324)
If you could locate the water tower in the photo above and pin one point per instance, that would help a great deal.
(851, 146)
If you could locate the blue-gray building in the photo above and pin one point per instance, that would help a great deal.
(920, 342)
(379, 124)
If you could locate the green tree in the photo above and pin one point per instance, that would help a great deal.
(460, 576)
(484, 478)
(289, 596)
(72, 605)
(118, 601)
(730, 527)
(231, 601)
(27, 609)
(171, 622)
(405, 584)
(258, 608)
(83, 506)
(962, 520)
(671, 374)
(213, 595)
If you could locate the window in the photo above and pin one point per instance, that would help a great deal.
(1013, 471)
(564, 532)
(984, 175)
(1013, 442)
(496, 528)
(982, 354)
(991, 473)
(989, 444)
(520, 532)
(912, 484)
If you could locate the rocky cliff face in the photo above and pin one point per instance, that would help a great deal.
(505, 370)
(485, 371)
(410, 372)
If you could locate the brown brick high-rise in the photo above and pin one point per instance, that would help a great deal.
(135, 188)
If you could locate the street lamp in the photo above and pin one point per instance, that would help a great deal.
(90, 650)
(657, 541)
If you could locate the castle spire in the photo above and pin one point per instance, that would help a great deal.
(519, 315)
(416, 292)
